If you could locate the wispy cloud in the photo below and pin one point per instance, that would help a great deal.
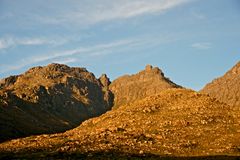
(202, 45)
(5, 43)
(69, 56)
(65, 60)
(54, 56)
(8, 42)
(92, 12)
(82, 50)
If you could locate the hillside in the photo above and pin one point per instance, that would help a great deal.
(226, 88)
(50, 99)
(129, 88)
(175, 122)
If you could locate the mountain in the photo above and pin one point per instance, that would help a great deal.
(129, 88)
(175, 122)
(50, 99)
(227, 87)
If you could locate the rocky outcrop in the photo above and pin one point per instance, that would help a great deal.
(104, 80)
(176, 122)
(50, 99)
(8, 81)
(226, 88)
(108, 95)
(130, 88)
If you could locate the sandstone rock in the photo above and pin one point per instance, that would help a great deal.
(108, 95)
(104, 80)
(50, 99)
(148, 67)
(129, 88)
(226, 88)
(8, 81)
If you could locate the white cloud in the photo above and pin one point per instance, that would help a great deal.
(67, 56)
(92, 12)
(133, 8)
(27, 41)
(8, 42)
(82, 50)
(202, 45)
(51, 57)
(65, 61)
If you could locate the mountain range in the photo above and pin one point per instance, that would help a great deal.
(144, 115)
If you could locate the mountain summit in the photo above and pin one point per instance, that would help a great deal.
(50, 99)
(227, 87)
(129, 88)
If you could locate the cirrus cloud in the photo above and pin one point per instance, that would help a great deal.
(92, 12)
(202, 45)
(7, 42)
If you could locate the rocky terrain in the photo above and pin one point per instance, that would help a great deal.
(227, 87)
(173, 123)
(50, 99)
(129, 88)
(152, 118)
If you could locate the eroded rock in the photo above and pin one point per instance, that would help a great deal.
(50, 99)
(129, 88)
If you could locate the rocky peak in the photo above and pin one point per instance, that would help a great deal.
(154, 71)
(235, 69)
(108, 95)
(104, 80)
(8, 81)
(148, 67)
(58, 67)
(227, 87)
(147, 82)
(50, 99)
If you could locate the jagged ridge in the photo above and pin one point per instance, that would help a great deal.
(50, 99)
(129, 88)
(226, 88)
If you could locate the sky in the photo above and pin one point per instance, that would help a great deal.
(191, 41)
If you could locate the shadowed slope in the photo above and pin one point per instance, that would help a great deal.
(50, 99)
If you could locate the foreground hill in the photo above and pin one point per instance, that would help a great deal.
(176, 122)
(227, 87)
(50, 99)
(129, 88)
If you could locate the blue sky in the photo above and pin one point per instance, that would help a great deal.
(192, 41)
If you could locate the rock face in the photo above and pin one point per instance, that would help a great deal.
(130, 88)
(108, 95)
(50, 99)
(176, 122)
(227, 87)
